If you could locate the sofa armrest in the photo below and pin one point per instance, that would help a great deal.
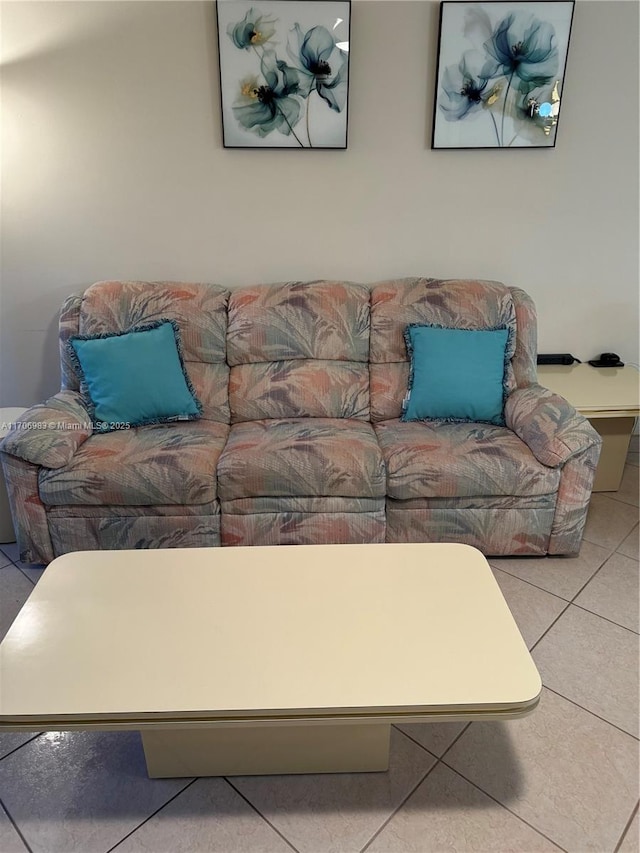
(49, 433)
(548, 425)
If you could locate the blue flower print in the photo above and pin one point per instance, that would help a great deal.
(322, 64)
(254, 30)
(525, 46)
(466, 85)
(272, 105)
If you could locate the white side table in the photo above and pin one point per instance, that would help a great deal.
(7, 533)
(610, 398)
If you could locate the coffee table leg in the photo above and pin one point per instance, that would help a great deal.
(255, 750)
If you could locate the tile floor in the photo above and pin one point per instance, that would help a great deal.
(564, 778)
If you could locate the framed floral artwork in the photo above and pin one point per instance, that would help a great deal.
(284, 73)
(501, 68)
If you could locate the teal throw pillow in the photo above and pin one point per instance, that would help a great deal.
(134, 378)
(456, 374)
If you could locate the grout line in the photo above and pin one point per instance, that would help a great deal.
(633, 530)
(613, 497)
(593, 713)
(531, 583)
(32, 582)
(626, 829)
(454, 741)
(625, 503)
(417, 743)
(21, 745)
(396, 810)
(129, 834)
(599, 569)
(15, 826)
(609, 548)
(542, 636)
(586, 584)
(506, 808)
(258, 812)
(606, 618)
(605, 496)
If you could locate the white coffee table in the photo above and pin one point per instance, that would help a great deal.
(290, 659)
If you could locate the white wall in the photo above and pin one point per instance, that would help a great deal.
(112, 167)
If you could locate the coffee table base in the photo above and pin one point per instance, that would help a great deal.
(257, 750)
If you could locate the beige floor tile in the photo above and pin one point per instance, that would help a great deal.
(10, 841)
(609, 521)
(532, 608)
(209, 816)
(81, 792)
(631, 841)
(593, 663)
(436, 737)
(10, 550)
(562, 770)
(562, 576)
(628, 491)
(631, 545)
(12, 740)
(4, 560)
(14, 591)
(448, 813)
(337, 813)
(614, 592)
(32, 573)
(633, 458)
(10, 553)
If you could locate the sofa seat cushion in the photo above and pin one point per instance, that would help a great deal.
(152, 465)
(307, 457)
(459, 460)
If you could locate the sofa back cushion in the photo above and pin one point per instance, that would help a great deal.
(458, 304)
(299, 349)
(200, 310)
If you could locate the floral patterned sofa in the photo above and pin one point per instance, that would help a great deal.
(300, 440)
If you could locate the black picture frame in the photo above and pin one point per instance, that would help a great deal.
(284, 73)
(500, 73)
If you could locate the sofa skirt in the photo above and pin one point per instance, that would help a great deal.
(303, 521)
(494, 530)
(108, 531)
